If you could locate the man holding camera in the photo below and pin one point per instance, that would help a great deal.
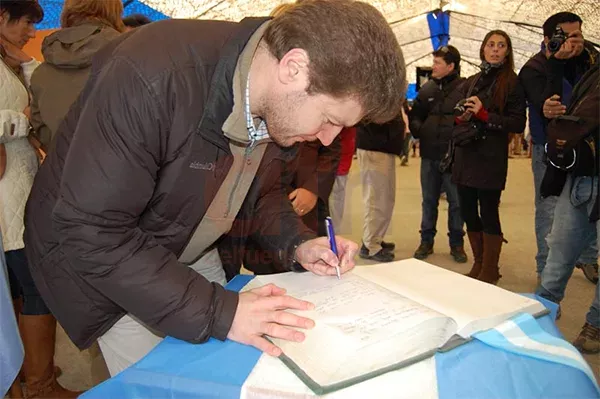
(557, 68)
(431, 121)
(572, 153)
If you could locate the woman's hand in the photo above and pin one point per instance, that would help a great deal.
(473, 105)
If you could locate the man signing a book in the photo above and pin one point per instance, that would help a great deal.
(175, 151)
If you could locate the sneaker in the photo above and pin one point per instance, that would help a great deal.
(364, 252)
(588, 340)
(424, 250)
(458, 253)
(388, 246)
(380, 256)
(590, 270)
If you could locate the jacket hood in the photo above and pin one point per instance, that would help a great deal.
(74, 47)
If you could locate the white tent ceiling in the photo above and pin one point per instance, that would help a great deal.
(470, 20)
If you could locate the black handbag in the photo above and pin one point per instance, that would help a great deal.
(466, 133)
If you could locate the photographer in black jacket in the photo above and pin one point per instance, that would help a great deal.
(544, 75)
(572, 174)
(431, 121)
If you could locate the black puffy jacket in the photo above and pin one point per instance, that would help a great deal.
(432, 116)
(387, 137)
(484, 163)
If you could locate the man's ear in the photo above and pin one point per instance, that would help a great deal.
(293, 66)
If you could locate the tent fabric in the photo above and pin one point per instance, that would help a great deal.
(418, 24)
(53, 8)
(469, 21)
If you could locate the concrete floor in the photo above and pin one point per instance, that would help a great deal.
(517, 259)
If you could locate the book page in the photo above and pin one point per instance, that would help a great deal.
(474, 305)
(359, 326)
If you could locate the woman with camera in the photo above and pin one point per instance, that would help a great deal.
(493, 107)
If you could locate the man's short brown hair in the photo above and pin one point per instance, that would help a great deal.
(352, 52)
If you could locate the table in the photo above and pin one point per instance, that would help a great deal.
(177, 369)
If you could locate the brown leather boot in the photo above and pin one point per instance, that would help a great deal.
(492, 246)
(39, 337)
(476, 240)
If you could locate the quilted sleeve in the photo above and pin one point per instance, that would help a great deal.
(13, 125)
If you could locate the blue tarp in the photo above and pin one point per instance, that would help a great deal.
(439, 28)
(53, 8)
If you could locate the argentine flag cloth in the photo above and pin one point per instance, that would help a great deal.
(11, 347)
(521, 358)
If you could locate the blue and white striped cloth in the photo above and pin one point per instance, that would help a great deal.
(11, 347)
(523, 358)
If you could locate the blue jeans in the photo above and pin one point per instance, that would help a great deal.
(544, 214)
(570, 232)
(432, 181)
(22, 285)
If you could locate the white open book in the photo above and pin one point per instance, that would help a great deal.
(383, 317)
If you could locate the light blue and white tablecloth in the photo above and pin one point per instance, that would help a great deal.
(523, 358)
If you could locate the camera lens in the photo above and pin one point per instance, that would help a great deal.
(554, 45)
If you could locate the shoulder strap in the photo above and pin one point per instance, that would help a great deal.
(472, 86)
(583, 86)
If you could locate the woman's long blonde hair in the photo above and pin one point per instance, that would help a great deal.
(106, 12)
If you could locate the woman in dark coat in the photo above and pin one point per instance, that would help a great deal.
(495, 108)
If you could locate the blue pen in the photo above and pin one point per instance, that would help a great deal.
(332, 244)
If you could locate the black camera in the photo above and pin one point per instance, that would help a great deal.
(557, 40)
(460, 107)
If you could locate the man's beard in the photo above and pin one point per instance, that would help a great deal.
(279, 116)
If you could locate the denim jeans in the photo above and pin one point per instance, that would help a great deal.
(544, 214)
(22, 284)
(571, 231)
(432, 182)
